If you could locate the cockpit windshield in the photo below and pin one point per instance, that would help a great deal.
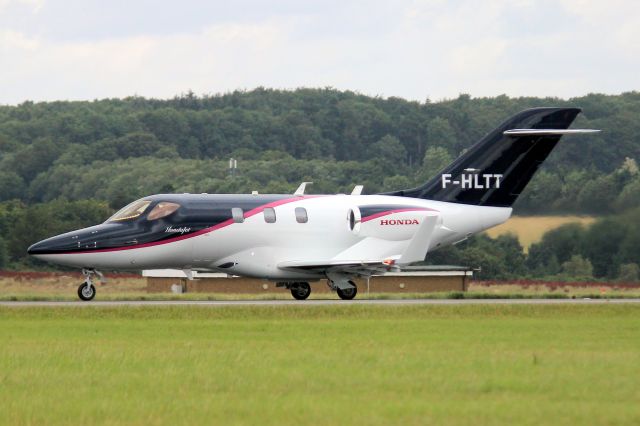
(162, 209)
(131, 211)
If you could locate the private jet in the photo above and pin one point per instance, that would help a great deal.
(294, 239)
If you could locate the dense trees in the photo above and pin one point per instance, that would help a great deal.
(55, 156)
(22, 225)
(389, 138)
(609, 249)
(4, 258)
(599, 243)
(499, 258)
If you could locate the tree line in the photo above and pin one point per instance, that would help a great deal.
(608, 249)
(65, 165)
(335, 138)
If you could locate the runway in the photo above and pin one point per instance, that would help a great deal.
(316, 302)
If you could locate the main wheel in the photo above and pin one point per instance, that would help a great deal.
(86, 292)
(300, 290)
(348, 293)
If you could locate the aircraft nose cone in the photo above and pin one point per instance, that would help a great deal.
(37, 248)
(57, 244)
(71, 242)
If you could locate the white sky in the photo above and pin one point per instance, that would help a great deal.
(87, 49)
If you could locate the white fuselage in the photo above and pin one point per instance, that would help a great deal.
(256, 248)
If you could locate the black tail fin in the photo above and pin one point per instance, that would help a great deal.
(495, 170)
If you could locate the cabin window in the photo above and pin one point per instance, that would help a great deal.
(301, 215)
(131, 211)
(162, 209)
(238, 214)
(269, 215)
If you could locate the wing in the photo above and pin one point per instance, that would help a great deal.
(356, 267)
(415, 251)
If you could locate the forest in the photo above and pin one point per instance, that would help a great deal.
(69, 164)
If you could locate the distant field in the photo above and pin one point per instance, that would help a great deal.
(440, 365)
(530, 229)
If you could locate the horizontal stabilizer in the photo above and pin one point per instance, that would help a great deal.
(496, 169)
(547, 132)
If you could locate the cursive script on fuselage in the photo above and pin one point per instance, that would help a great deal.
(181, 230)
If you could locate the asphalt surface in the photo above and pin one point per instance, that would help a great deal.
(316, 302)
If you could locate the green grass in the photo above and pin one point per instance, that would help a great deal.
(479, 364)
(129, 296)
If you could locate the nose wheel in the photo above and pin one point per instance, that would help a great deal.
(86, 291)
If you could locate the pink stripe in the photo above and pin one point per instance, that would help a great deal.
(220, 225)
(388, 212)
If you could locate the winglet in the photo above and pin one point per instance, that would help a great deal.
(417, 249)
(301, 188)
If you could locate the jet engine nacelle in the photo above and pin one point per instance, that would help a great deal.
(387, 224)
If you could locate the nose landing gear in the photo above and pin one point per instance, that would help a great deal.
(87, 290)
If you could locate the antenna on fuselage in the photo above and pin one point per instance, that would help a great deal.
(357, 190)
(233, 166)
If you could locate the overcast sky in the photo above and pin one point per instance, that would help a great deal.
(88, 49)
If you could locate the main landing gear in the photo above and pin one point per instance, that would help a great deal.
(342, 284)
(300, 291)
(87, 289)
(347, 293)
(346, 289)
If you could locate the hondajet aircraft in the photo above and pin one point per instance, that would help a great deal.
(295, 239)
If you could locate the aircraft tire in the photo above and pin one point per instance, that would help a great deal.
(86, 292)
(301, 290)
(349, 293)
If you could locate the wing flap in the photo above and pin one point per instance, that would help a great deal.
(305, 264)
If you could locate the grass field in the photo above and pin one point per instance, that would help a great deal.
(482, 364)
(530, 229)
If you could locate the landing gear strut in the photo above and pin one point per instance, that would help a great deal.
(300, 290)
(87, 290)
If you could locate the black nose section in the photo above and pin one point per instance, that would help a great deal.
(86, 239)
(59, 244)
(35, 249)
(67, 243)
